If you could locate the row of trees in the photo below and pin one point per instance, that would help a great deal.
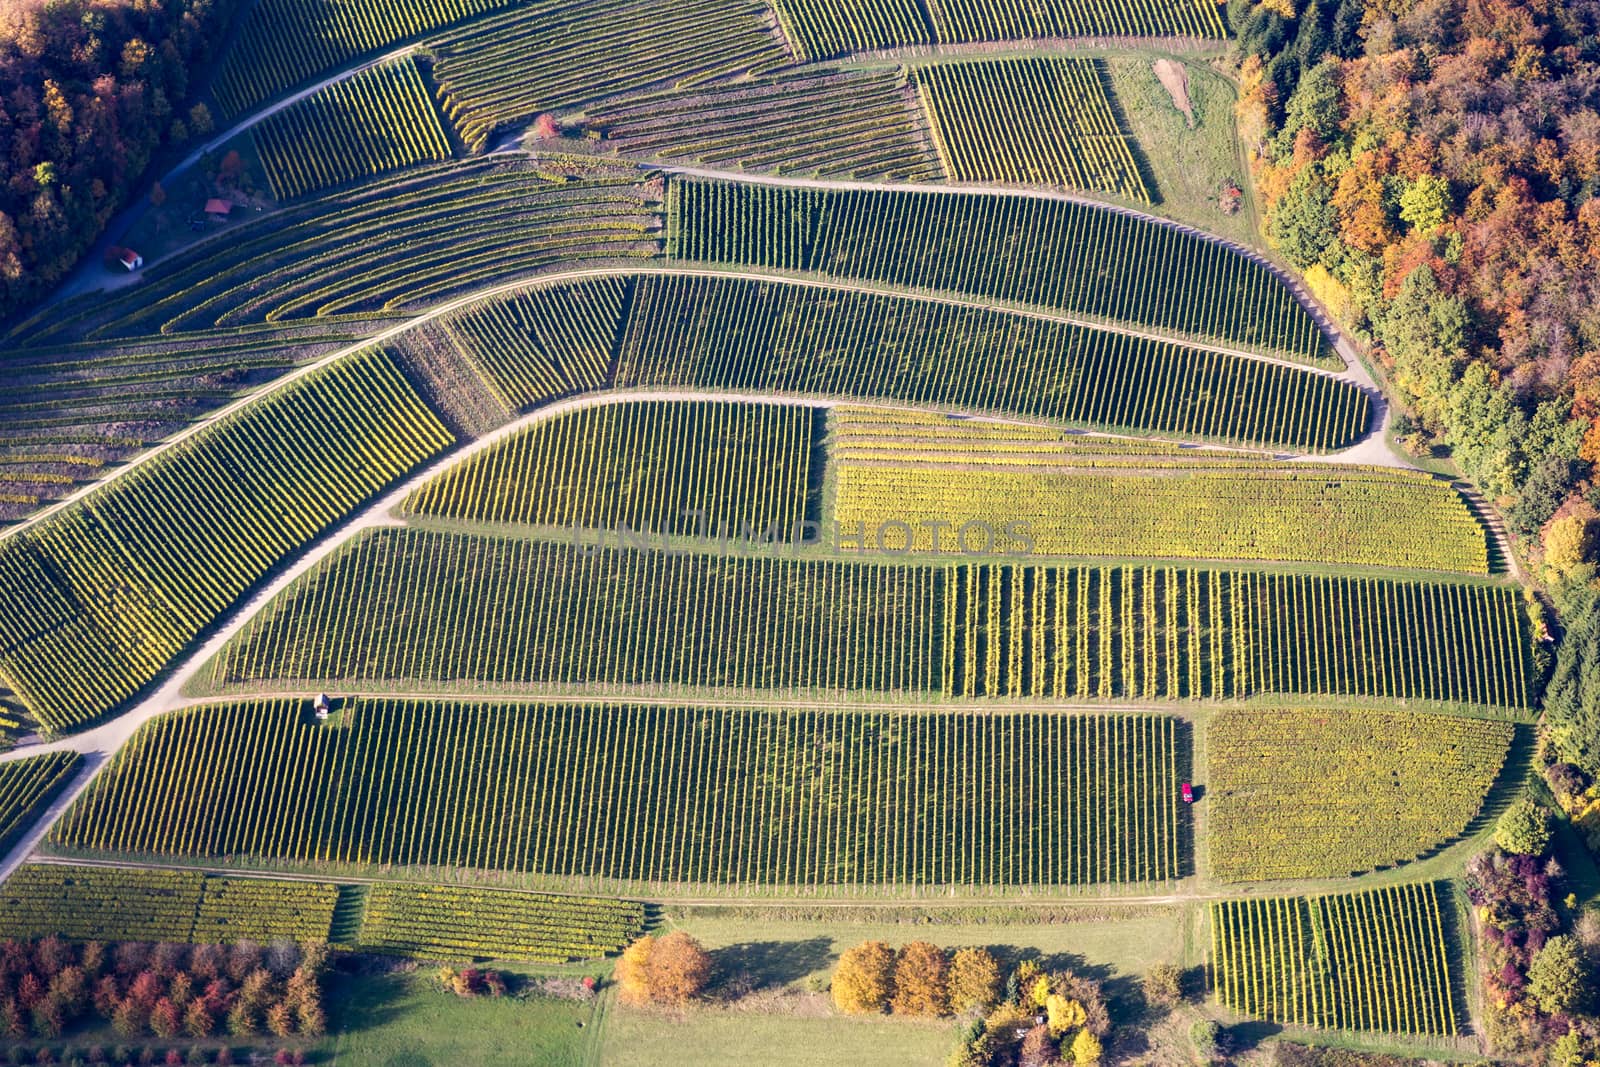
(90, 90)
(163, 990)
(1431, 166)
(1027, 1016)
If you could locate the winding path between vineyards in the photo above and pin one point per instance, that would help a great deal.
(99, 744)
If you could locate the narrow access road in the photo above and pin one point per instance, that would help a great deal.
(90, 275)
(526, 281)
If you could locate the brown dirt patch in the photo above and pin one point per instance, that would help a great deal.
(1174, 78)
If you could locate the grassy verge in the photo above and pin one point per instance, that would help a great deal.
(404, 1021)
(1187, 165)
(723, 1036)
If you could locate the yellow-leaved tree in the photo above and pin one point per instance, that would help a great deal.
(974, 980)
(920, 980)
(864, 980)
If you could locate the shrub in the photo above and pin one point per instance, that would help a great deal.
(1524, 829)
(1163, 986)
(1205, 1036)
(864, 980)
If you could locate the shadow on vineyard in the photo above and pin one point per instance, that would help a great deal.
(1508, 784)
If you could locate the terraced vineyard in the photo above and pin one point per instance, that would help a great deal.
(68, 413)
(1055, 254)
(96, 600)
(550, 342)
(687, 469)
(1325, 794)
(379, 249)
(745, 797)
(557, 616)
(823, 29)
(850, 124)
(504, 71)
(1379, 960)
(111, 904)
(282, 43)
(27, 787)
(984, 20)
(1073, 141)
(382, 119)
(1097, 496)
(716, 333)
(532, 615)
(457, 922)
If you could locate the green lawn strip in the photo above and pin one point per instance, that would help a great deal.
(636, 1038)
(407, 1021)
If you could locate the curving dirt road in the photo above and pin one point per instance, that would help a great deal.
(99, 744)
(814, 282)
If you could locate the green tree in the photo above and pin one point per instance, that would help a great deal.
(1305, 224)
(1479, 417)
(1314, 106)
(1558, 977)
(1425, 332)
(1425, 203)
(1524, 829)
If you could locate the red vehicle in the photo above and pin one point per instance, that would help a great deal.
(1187, 792)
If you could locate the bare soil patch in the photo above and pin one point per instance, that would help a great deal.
(1174, 78)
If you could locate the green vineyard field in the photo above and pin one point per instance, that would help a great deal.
(1097, 496)
(765, 337)
(823, 29)
(749, 797)
(549, 342)
(645, 465)
(1074, 139)
(1049, 253)
(382, 119)
(1379, 960)
(96, 600)
(458, 922)
(504, 71)
(110, 904)
(1325, 794)
(538, 616)
(849, 124)
(282, 43)
(527, 614)
(382, 248)
(27, 786)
